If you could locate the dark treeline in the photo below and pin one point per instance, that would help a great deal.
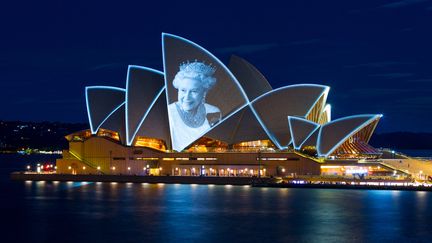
(17, 135)
(402, 140)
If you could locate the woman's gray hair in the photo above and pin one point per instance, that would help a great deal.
(198, 71)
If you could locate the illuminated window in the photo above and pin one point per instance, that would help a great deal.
(250, 146)
(145, 158)
(79, 136)
(150, 143)
(281, 159)
(108, 133)
(205, 144)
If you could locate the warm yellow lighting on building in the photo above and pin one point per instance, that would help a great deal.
(104, 133)
(256, 145)
(84, 167)
(98, 167)
(113, 168)
(330, 166)
(150, 143)
(272, 159)
(144, 158)
(69, 167)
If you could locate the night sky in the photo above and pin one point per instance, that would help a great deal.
(375, 55)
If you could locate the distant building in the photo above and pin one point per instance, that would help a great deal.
(201, 118)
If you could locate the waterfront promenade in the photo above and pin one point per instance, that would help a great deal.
(323, 183)
(133, 178)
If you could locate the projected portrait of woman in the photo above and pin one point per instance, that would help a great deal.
(190, 115)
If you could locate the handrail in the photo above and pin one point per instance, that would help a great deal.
(88, 163)
(393, 167)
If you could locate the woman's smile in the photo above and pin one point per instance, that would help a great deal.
(190, 94)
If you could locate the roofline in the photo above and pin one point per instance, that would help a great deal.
(274, 140)
(317, 126)
(129, 141)
(323, 94)
(92, 130)
(218, 61)
(370, 120)
(288, 87)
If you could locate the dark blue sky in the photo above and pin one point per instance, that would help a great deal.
(375, 55)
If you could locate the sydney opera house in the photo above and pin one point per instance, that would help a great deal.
(200, 117)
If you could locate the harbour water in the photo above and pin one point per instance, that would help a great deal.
(126, 212)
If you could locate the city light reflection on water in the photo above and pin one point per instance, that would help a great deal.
(165, 212)
(118, 212)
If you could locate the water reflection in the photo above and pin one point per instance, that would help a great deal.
(95, 212)
(164, 212)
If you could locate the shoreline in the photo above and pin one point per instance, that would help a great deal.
(347, 186)
(251, 181)
(19, 176)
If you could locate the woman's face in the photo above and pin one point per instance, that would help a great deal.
(190, 94)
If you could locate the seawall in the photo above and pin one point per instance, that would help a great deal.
(134, 178)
